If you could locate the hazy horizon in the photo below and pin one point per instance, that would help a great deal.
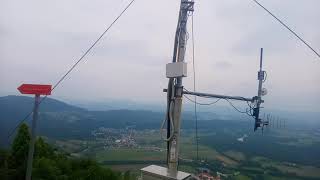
(42, 39)
(219, 111)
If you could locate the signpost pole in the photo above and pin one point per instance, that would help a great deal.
(37, 90)
(33, 137)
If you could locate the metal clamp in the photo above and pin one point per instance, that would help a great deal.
(178, 91)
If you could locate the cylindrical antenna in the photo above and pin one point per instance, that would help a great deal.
(258, 122)
(261, 55)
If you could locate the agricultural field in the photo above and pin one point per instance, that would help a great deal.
(233, 160)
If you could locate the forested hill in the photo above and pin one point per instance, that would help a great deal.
(49, 163)
(12, 104)
(58, 119)
(14, 108)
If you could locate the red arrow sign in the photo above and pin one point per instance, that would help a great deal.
(38, 89)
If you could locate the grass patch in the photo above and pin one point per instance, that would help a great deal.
(123, 154)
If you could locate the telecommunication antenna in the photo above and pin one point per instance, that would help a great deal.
(256, 101)
(261, 77)
(276, 121)
(175, 71)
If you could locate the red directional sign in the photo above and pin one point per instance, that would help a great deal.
(38, 89)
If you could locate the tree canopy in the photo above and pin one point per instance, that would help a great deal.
(49, 164)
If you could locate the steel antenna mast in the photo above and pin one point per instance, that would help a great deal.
(261, 77)
(256, 100)
(175, 72)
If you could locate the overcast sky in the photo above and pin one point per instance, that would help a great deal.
(41, 39)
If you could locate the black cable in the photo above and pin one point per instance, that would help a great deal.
(250, 113)
(244, 112)
(286, 26)
(194, 85)
(71, 69)
(19, 124)
(201, 104)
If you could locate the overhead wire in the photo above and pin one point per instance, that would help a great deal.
(201, 104)
(234, 107)
(248, 112)
(287, 27)
(194, 84)
(75, 65)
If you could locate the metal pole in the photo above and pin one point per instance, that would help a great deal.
(33, 137)
(259, 101)
(180, 48)
(174, 142)
(262, 75)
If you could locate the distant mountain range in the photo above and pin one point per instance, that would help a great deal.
(58, 119)
(25, 104)
(62, 120)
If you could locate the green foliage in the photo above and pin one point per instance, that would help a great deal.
(44, 168)
(43, 149)
(87, 169)
(49, 164)
(19, 149)
(3, 158)
(126, 175)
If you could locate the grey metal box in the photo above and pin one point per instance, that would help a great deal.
(177, 69)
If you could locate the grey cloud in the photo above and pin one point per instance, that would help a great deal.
(53, 34)
(223, 64)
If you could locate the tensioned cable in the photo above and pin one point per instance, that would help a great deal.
(201, 104)
(286, 26)
(234, 107)
(194, 85)
(74, 66)
(208, 104)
